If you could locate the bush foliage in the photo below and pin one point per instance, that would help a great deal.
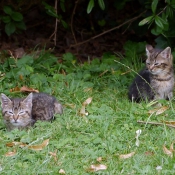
(158, 16)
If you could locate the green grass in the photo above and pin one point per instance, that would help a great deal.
(108, 131)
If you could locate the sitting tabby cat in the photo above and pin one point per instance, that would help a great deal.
(156, 81)
(24, 112)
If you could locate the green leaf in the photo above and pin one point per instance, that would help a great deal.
(68, 57)
(156, 31)
(16, 16)
(101, 4)
(7, 10)
(50, 10)
(169, 11)
(154, 6)
(6, 19)
(159, 21)
(10, 28)
(146, 20)
(65, 25)
(90, 6)
(24, 60)
(101, 22)
(62, 5)
(20, 25)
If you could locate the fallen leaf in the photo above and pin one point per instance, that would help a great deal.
(149, 153)
(87, 101)
(40, 146)
(126, 156)
(167, 151)
(169, 122)
(9, 154)
(27, 89)
(99, 159)
(94, 168)
(158, 111)
(61, 171)
(11, 144)
(172, 147)
(15, 89)
(84, 104)
(83, 111)
(54, 155)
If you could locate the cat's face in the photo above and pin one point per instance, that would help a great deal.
(16, 112)
(158, 62)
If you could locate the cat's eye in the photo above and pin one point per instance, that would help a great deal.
(148, 63)
(11, 113)
(156, 64)
(21, 113)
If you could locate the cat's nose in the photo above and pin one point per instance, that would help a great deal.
(15, 118)
(151, 68)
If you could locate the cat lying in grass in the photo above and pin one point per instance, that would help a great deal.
(156, 81)
(24, 112)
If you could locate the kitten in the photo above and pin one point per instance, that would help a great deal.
(156, 81)
(24, 112)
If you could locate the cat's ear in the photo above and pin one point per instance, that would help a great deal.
(28, 100)
(4, 100)
(166, 53)
(58, 108)
(149, 49)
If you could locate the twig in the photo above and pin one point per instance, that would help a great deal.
(117, 27)
(162, 11)
(72, 19)
(156, 123)
(56, 24)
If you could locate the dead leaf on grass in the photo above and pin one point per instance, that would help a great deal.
(167, 151)
(40, 146)
(84, 104)
(83, 111)
(54, 155)
(87, 101)
(126, 156)
(169, 122)
(11, 153)
(32, 147)
(158, 111)
(28, 89)
(61, 171)
(97, 167)
(99, 159)
(11, 144)
(15, 89)
(172, 146)
(149, 153)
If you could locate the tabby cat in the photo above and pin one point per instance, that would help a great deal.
(24, 112)
(156, 81)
